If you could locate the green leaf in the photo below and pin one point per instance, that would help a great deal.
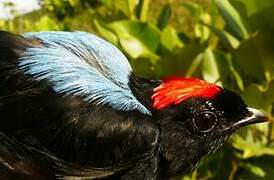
(232, 19)
(170, 39)
(210, 67)
(214, 12)
(252, 7)
(195, 64)
(251, 149)
(251, 56)
(137, 39)
(46, 23)
(229, 77)
(253, 96)
(107, 2)
(265, 163)
(262, 47)
(254, 169)
(105, 32)
(258, 14)
(178, 61)
(131, 4)
(228, 41)
(74, 2)
(142, 67)
(236, 75)
(144, 10)
(201, 31)
(195, 9)
(164, 17)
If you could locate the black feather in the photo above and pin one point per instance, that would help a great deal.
(44, 134)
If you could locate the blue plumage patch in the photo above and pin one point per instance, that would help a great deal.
(82, 64)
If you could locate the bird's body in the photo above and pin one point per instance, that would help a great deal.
(70, 106)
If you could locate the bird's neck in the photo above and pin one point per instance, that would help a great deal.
(143, 89)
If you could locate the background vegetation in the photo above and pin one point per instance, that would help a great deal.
(229, 42)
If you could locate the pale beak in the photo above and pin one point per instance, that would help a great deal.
(254, 116)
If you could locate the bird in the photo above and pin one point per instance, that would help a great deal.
(71, 107)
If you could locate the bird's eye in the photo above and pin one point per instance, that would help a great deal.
(205, 121)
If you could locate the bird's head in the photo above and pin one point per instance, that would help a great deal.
(195, 118)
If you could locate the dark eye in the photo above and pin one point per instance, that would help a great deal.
(205, 121)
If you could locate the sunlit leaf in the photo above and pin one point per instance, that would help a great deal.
(265, 163)
(232, 18)
(251, 149)
(105, 32)
(236, 75)
(200, 31)
(214, 12)
(144, 10)
(225, 38)
(74, 2)
(210, 67)
(107, 2)
(229, 76)
(137, 39)
(170, 39)
(131, 7)
(46, 23)
(256, 170)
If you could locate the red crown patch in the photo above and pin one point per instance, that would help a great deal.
(175, 90)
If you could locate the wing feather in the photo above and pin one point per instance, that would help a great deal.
(82, 64)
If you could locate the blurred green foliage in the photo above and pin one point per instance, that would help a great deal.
(228, 42)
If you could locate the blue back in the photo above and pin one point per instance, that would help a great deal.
(82, 64)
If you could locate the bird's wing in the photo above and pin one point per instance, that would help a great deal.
(82, 64)
(69, 127)
(19, 160)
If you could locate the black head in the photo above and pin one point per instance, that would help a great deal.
(199, 126)
(195, 118)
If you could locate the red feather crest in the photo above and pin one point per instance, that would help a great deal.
(175, 90)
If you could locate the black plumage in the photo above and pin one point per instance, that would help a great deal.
(48, 135)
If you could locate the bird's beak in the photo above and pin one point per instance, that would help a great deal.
(254, 116)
